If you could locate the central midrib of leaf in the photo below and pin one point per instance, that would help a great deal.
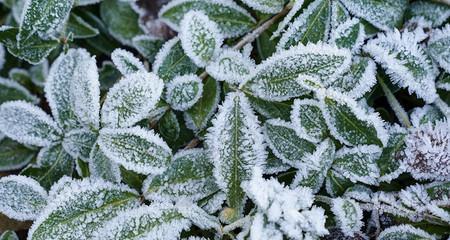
(235, 180)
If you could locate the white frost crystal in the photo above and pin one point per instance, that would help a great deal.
(291, 209)
(231, 66)
(125, 62)
(427, 152)
(184, 91)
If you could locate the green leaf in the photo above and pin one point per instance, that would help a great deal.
(390, 159)
(136, 149)
(336, 184)
(439, 47)
(315, 167)
(159, 219)
(28, 124)
(236, 147)
(270, 110)
(198, 116)
(339, 14)
(190, 175)
(121, 19)
(404, 232)
(406, 62)
(11, 90)
(312, 25)
(101, 167)
(21, 198)
(79, 28)
(358, 80)
(200, 38)
(274, 165)
(39, 73)
(171, 61)
(307, 119)
(14, 155)
(348, 215)
(231, 18)
(82, 168)
(52, 164)
(131, 99)
(147, 46)
(9, 235)
(231, 66)
(359, 163)
(44, 17)
(78, 143)
(109, 75)
(34, 50)
(276, 78)
(286, 144)
(350, 123)
(439, 192)
(169, 127)
(82, 208)
(350, 35)
(184, 91)
(435, 12)
(384, 15)
(266, 6)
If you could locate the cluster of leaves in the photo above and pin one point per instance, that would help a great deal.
(260, 119)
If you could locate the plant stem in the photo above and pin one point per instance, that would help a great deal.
(237, 224)
(395, 105)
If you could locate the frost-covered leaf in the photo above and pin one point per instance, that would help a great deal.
(81, 208)
(72, 90)
(157, 221)
(231, 66)
(197, 215)
(435, 12)
(230, 18)
(198, 116)
(11, 90)
(101, 167)
(136, 149)
(169, 126)
(28, 124)
(384, 15)
(148, 46)
(59, 186)
(285, 143)
(266, 6)
(21, 198)
(439, 47)
(14, 155)
(339, 14)
(390, 159)
(315, 166)
(236, 147)
(350, 123)
(349, 34)
(121, 20)
(171, 61)
(42, 17)
(131, 99)
(184, 91)
(9, 235)
(307, 119)
(190, 175)
(274, 165)
(53, 163)
(39, 73)
(348, 215)
(296, 7)
(86, 2)
(406, 62)
(359, 163)
(312, 25)
(200, 38)
(126, 63)
(358, 80)
(276, 78)
(79, 142)
(78, 28)
(404, 232)
(426, 114)
(269, 109)
(34, 50)
(2, 56)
